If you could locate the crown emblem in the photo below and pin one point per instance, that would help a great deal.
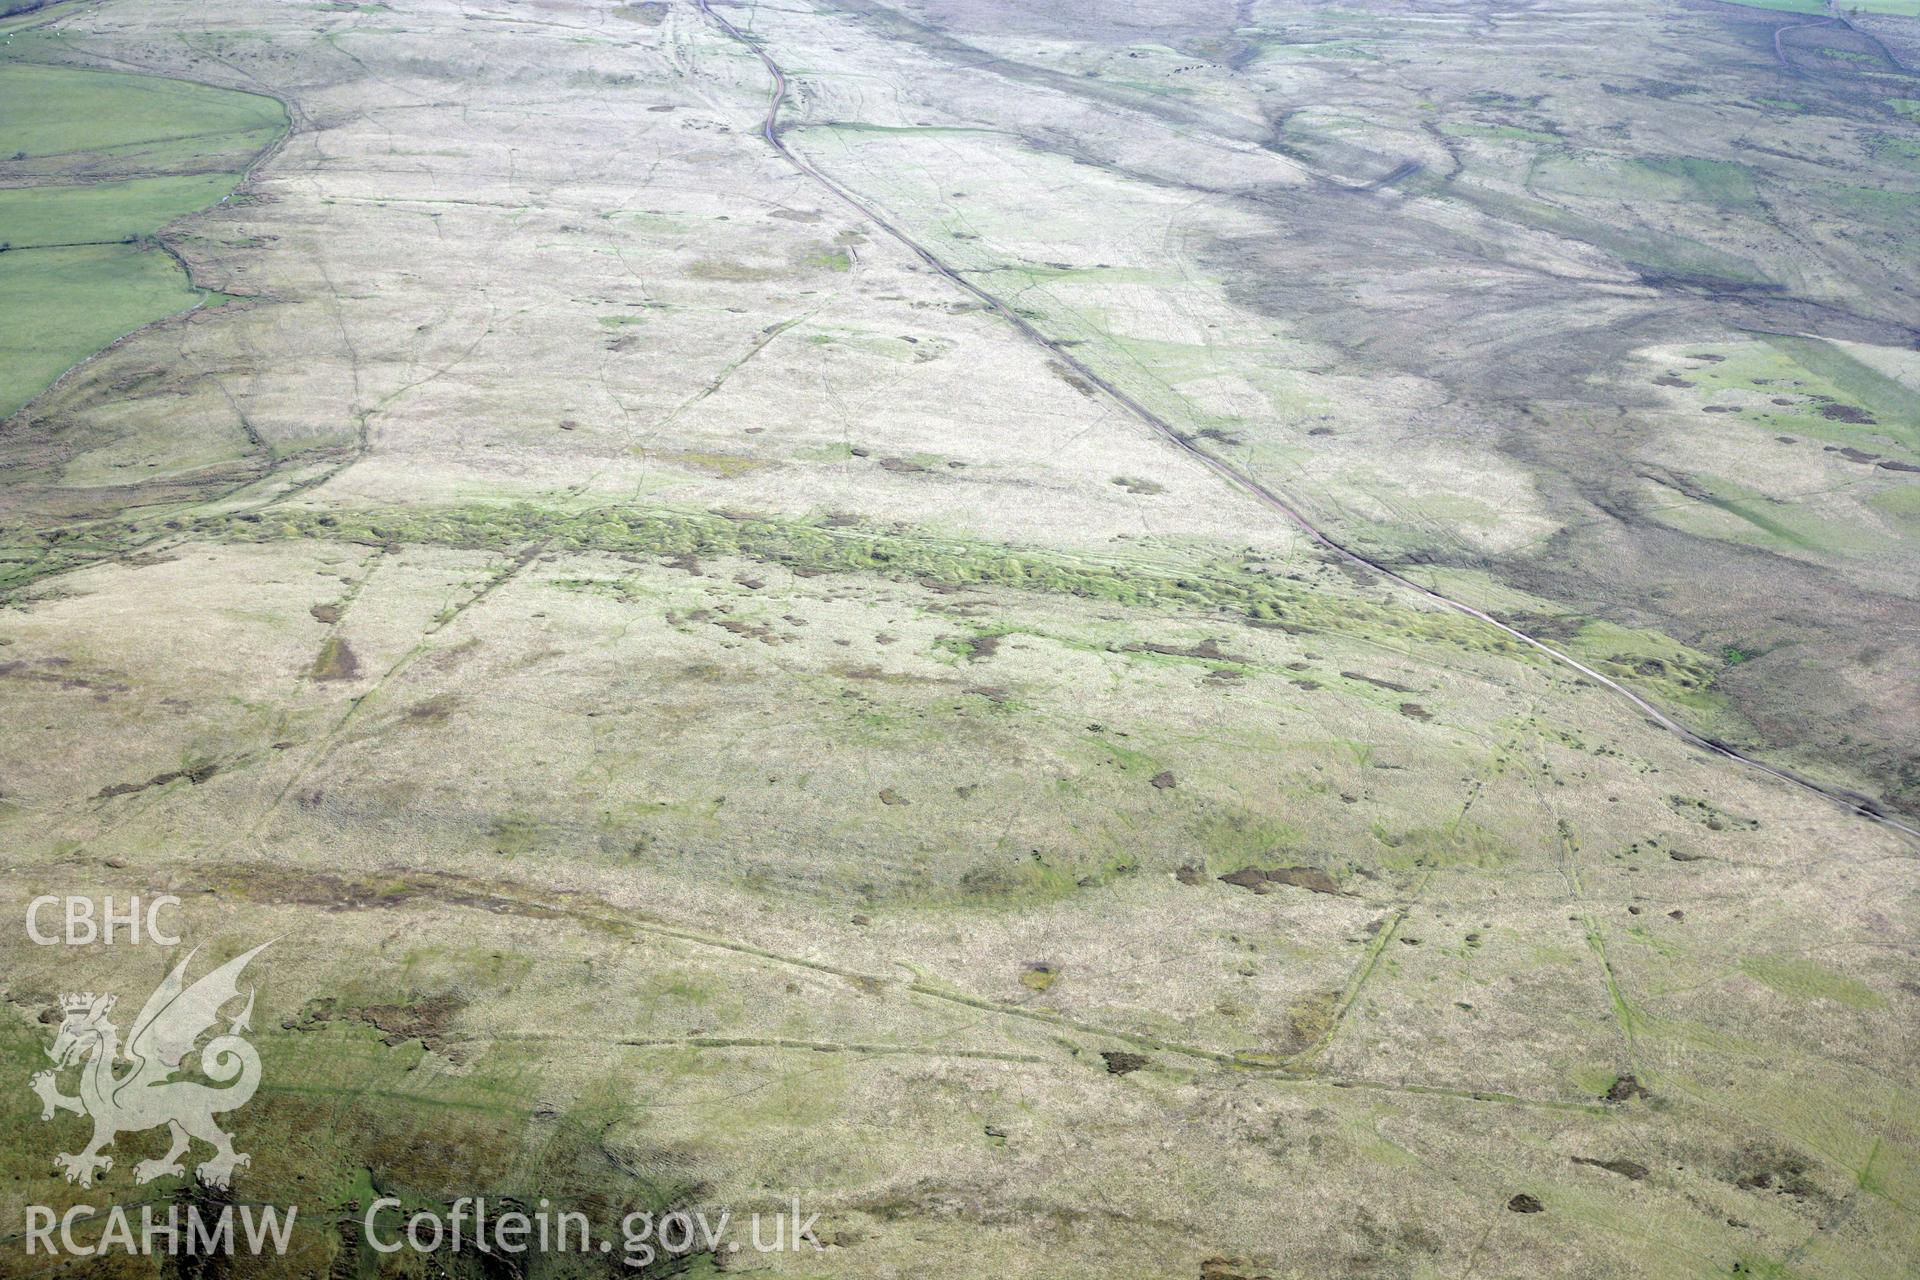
(76, 1003)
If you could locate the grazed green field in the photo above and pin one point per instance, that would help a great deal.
(71, 113)
(32, 217)
(1896, 8)
(1785, 6)
(58, 306)
(72, 139)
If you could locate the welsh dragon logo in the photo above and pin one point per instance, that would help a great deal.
(144, 1095)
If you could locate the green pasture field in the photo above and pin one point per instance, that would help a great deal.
(85, 213)
(78, 267)
(68, 112)
(58, 306)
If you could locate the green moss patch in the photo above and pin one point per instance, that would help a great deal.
(1802, 979)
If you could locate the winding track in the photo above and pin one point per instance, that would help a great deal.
(1780, 49)
(1853, 802)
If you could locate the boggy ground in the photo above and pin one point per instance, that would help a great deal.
(709, 713)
